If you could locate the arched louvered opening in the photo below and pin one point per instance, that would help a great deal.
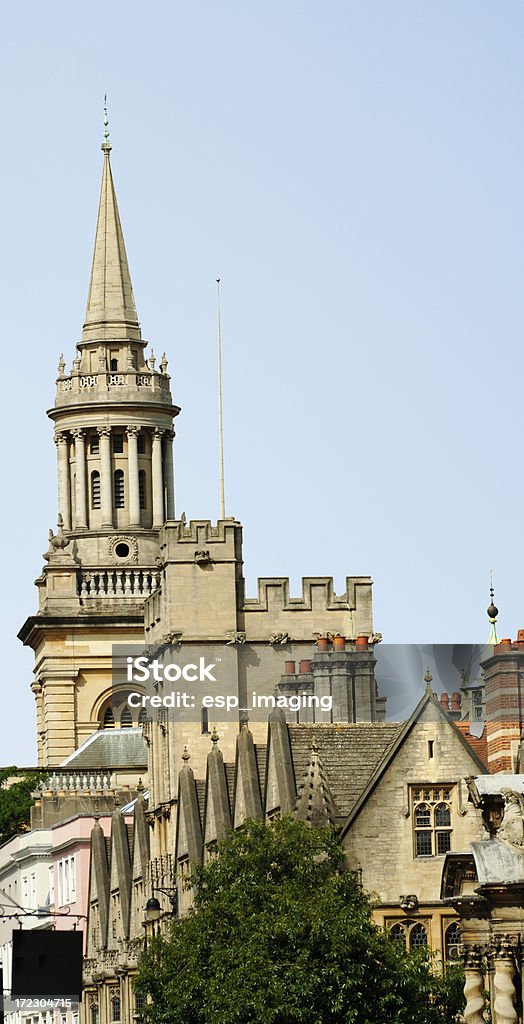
(126, 718)
(205, 721)
(108, 720)
(142, 718)
(119, 488)
(95, 489)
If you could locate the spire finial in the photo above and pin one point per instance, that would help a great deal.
(428, 678)
(106, 145)
(214, 737)
(492, 612)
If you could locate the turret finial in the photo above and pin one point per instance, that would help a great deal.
(492, 612)
(106, 145)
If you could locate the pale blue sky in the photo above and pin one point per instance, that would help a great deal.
(353, 171)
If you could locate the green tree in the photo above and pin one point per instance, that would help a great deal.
(281, 934)
(16, 801)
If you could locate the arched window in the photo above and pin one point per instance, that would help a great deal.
(142, 718)
(452, 941)
(126, 718)
(119, 489)
(95, 489)
(142, 487)
(115, 1009)
(398, 934)
(108, 720)
(94, 1013)
(205, 721)
(113, 365)
(412, 934)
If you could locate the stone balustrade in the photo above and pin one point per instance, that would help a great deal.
(77, 782)
(118, 583)
(106, 381)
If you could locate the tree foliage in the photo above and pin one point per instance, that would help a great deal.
(281, 934)
(15, 801)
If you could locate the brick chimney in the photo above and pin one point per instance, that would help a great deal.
(504, 688)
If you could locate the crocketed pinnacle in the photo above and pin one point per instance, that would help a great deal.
(111, 311)
(315, 804)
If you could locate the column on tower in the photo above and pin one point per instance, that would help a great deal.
(132, 468)
(106, 483)
(158, 483)
(81, 492)
(64, 504)
(169, 474)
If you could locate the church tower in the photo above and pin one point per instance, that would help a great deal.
(113, 418)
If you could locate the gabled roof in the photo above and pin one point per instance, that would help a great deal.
(350, 752)
(404, 731)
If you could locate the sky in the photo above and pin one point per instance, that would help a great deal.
(353, 173)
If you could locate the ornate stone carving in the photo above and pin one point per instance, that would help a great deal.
(279, 638)
(474, 985)
(235, 636)
(132, 431)
(159, 432)
(104, 431)
(202, 557)
(60, 437)
(409, 903)
(78, 433)
(132, 544)
(511, 829)
(504, 989)
(375, 638)
(57, 541)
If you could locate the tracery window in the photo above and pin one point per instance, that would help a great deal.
(431, 820)
(452, 940)
(412, 934)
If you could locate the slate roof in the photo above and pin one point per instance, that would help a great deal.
(110, 749)
(350, 754)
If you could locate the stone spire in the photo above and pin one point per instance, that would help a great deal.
(111, 311)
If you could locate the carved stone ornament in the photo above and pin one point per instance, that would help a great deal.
(375, 638)
(202, 557)
(132, 544)
(279, 638)
(57, 541)
(235, 636)
(409, 903)
(511, 829)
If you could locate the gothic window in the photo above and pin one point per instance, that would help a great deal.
(140, 1003)
(94, 1014)
(452, 941)
(126, 718)
(95, 489)
(119, 489)
(115, 1009)
(142, 718)
(118, 444)
(398, 933)
(142, 487)
(431, 820)
(108, 720)
(412, 934)
(418, 936)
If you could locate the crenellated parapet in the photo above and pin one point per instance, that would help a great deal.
(201, 593)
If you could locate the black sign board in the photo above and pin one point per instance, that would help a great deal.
(47, 963)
